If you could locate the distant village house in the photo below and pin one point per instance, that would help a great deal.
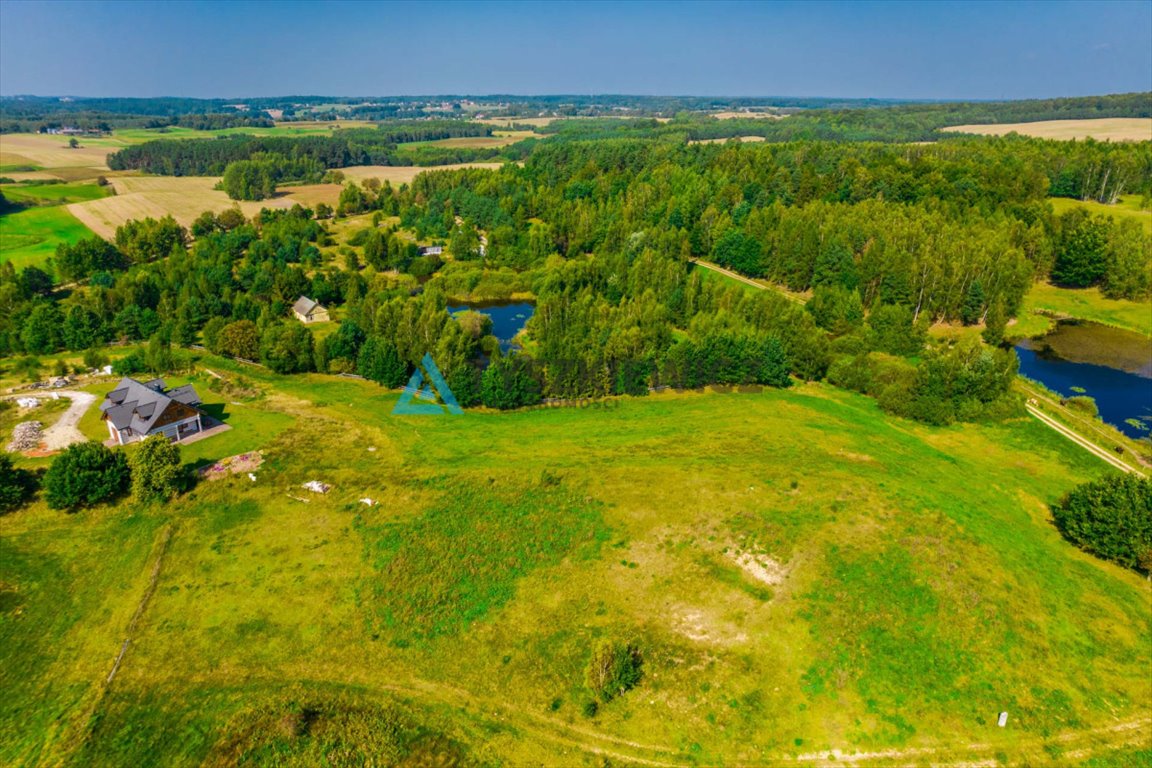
(432, 250)
(136, 410)
(308, 311)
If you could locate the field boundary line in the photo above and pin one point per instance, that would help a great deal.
(161, 548)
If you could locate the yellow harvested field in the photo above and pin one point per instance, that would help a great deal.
(1104, 129)
(182, 197)
(309, 195)
(52, 151)
(403, 174)
(745, 115)
(30, 176)
(746, 139)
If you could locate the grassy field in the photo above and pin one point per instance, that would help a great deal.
(29, 237)
(1082, 303)
(791, 558)
(1127, 208)
(1104, 129)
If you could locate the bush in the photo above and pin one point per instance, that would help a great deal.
(85, 474)
(1111, 518)
(16, 485)
(509, 382)
(1084, 404)
(614, 669)
(131, 364)
(157, 474)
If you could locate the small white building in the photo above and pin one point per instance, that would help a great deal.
(308, 311)
(136, 410)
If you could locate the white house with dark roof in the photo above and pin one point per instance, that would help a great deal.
(136, 410)
(308, 311)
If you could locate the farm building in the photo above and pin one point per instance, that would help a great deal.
(308, 311)
(136, 410)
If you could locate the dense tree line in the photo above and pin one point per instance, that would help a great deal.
(256, 179)
(356, 146)
(886, 238)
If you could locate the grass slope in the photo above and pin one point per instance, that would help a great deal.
(921, 591)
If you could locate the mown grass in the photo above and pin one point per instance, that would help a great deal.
(1128, 207)
(29, 237)
(924, 588)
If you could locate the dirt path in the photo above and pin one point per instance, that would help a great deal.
(1092, 447)
(65, 431)
(745, 280)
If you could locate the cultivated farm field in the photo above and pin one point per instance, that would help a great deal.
(1103, 129)
(182, 197)
(801, 573)
(403, 174)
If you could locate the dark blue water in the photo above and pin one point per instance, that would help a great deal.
(507, 318)
(1119, 395)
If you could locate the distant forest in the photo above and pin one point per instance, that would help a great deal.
(823, 118)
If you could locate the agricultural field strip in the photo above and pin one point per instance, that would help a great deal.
(1104, 128)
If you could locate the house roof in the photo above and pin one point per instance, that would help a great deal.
(304, 305)
(140, 405)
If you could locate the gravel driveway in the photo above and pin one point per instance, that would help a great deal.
(65, 432)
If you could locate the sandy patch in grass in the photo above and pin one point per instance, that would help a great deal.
(760, 567)
(1104, 128)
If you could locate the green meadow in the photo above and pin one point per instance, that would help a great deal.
(801, 572)
(29, 237)
(1045, 301)
(53, 194)
(1127, 207)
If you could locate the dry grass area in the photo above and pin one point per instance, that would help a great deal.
(746, 115)
(403, 174)
(182, 197)
(744, 139)
(310, 195)
(51, 152)
(1104, 129)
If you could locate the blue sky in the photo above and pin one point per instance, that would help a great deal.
(980, 50)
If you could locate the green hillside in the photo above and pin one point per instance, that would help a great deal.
(800, 571)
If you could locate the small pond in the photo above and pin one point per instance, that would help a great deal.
(1112, 366)
(508, 318)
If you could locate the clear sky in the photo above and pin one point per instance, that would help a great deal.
(981, 50)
